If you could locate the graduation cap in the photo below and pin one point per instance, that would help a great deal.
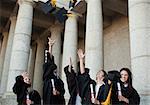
(48, 7)
(41, 0)
(80, 7)
(72, 3)
(114, 75)
(61, 15)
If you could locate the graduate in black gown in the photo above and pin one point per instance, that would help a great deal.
(72, 84)
(25, 94)
(126, 94)
(53, 88)
(91, 92)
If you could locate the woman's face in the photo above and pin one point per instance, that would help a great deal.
(124, 76)
(27, 80)
(100, 75)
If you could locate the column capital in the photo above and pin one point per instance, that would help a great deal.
(25, 1)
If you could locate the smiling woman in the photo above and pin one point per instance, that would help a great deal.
(129, 95)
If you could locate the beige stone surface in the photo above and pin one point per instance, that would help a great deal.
(69, 48)
(94, 37)
(3, 51)
(21, 43)
(6, 64)
(117, 45)
(38, 70)
(140, 50)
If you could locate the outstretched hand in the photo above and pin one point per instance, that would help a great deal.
(81, 55)
(50, 41)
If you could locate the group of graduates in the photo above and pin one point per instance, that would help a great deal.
(112, 88)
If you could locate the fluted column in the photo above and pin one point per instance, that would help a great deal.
(139, 26)
(21, 42)
(56, 51)
(8, 54)
(31, 64)
(2, 53)
(69, 47)
(94, 37)
(38, 70)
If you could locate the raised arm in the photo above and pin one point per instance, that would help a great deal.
(50, 43)
(81, 57)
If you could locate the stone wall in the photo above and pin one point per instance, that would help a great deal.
(117, 45)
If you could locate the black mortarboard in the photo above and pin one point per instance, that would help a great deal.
(72, 3)
(61, 15)
(114, 75)
(80, 7)
(47, 7)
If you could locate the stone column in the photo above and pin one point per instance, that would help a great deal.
(94, 37)
(0, 42)
(8, 55)
(56, 51)
(31, 64)
(69, 47)
(139, 26)
(38, 70)
(21, 42)
(2, 53)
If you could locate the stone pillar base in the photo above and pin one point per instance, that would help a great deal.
(144, 100)
(8, 99)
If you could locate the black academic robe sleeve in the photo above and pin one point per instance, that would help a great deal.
(35, 97)
(129, 92)
(72, 85)
(101, 94)
(20, 89)
(19, 83)
(84, 82)
(134, 98)
(49, 67)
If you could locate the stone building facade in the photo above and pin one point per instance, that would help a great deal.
(113, 34)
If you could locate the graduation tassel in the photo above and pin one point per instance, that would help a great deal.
(107, 101)
(53, 2)
(70, 15)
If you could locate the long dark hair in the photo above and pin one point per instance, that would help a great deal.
(105, 75)
(129, 81)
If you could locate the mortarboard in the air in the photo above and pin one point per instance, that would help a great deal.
(47, 7)
(80, 7)
(72, 3)
(61, 15)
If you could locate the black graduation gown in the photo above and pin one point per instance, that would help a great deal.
(72, 85)
(128, 92)
(20, 89)
(103, 92)
(48, 97)
(84, 82)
